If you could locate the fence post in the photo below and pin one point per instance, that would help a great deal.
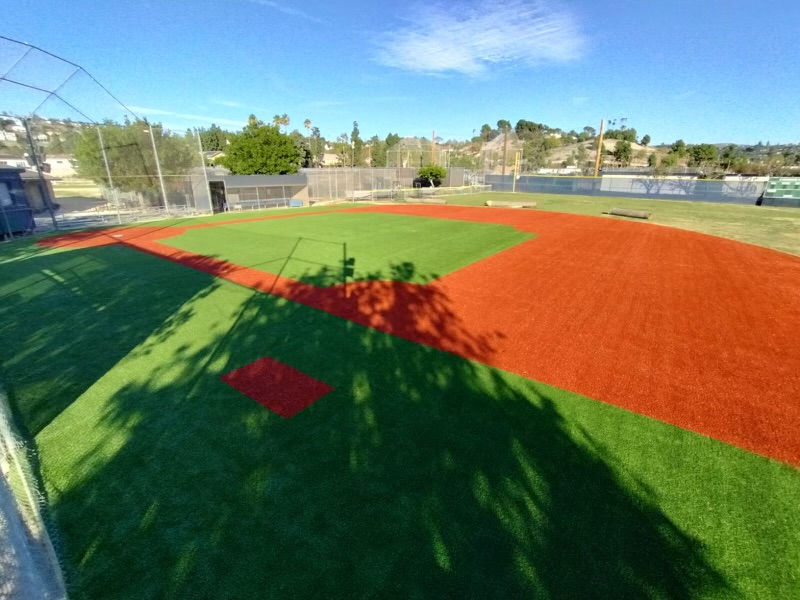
(42, 184)
(108, 173)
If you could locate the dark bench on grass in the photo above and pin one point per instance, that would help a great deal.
(511, 203)
(625, 212)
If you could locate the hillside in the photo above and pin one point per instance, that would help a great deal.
(640, 153)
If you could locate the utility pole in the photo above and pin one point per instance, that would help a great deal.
(599, 148)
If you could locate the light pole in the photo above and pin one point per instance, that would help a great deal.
(158, 168)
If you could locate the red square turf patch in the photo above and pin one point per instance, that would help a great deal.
(279, 387)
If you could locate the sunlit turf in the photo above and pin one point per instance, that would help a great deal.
(319, 247)
(421, 475)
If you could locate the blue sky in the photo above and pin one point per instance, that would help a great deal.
(704, 71)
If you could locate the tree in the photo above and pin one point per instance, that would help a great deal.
(702, 155)
(262, 150)
(343, 150)
(645, 140)
(670, 160)
(652, 160)
(678, 148)
(279, 120)
(535, 152)
(503, 125)
(130, 154)
(318, 146)
(580, 158)
(623, 152)
(357, 144)
(587, 133)
(307, 125)
(213, 138)
(627, 135)
(526, 130)
(392, 140)
(301, 142)
(487, 133)
(377, 152)
(729, 157)
(434, 173)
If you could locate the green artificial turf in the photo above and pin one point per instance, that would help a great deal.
(422, 475)
(772, 227)
(313, 249)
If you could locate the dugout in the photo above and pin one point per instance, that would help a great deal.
(247, 192)
(16, 215)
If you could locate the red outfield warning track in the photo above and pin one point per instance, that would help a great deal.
(690, 329)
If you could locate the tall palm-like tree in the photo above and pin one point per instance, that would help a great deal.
(307, 125)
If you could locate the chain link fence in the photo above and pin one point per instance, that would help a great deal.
(382, 183)
(736, 191)
(72, 154)
(29, 566)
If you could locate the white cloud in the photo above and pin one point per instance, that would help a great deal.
(183, 117)
(228, 103)
(287, 10)
(475, 37)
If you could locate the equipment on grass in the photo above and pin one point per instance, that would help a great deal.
(626, 212)
(511, 203)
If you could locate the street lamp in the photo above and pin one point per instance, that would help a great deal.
(158, 168)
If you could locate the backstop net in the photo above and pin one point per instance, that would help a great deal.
(85, 157)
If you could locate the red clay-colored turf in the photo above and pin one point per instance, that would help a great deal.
(279, 387)
(690, 329)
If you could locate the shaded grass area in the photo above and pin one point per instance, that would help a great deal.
(421, 475)
(319, 249)
(772, 227)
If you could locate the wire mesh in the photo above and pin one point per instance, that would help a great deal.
(87, 158)
(29, 566)
(729, 191)
(379, 183)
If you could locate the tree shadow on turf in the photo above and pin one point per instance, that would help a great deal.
(67, 318)
(422, 475)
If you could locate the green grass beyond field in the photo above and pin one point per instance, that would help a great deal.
(314, 248)
(776, 228)
(422, 475)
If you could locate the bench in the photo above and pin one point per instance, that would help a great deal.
(511, 203)
(625, 212)
(432, 200)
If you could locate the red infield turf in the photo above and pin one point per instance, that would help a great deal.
(281, 388)
(694, 330)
